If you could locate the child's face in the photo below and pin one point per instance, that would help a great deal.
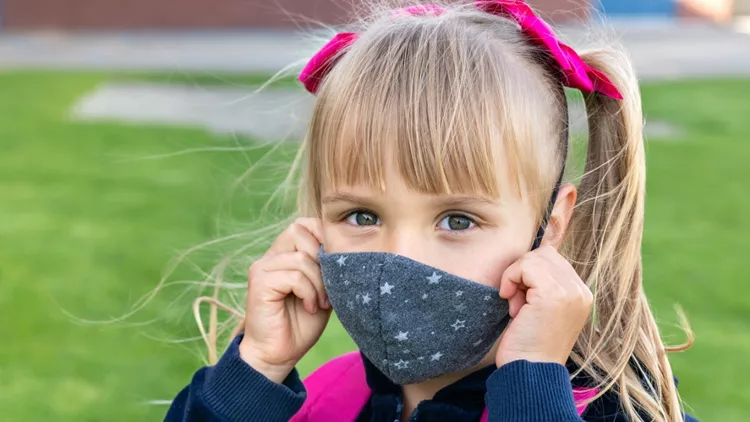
(472, 237)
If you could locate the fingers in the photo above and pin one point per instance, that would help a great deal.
(516, 302)
(294, 282)
(539, 274)
(529, 272)
(276, 286)
(305, 235)
(566, 275)
(296, 250)
(301, 262)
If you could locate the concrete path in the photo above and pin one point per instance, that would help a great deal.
(270, 115)
(660, 49)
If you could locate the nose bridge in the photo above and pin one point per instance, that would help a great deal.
(406, 241)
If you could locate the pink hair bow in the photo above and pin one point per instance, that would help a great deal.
(324, 60)
(575, 72)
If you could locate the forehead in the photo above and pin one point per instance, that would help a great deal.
(394, 183)
(467, 121)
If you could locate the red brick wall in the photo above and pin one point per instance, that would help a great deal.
(191, 14)
(166, 14)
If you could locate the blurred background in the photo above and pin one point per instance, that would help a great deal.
(131, 132)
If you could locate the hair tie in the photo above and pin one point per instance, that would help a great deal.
(574, 71)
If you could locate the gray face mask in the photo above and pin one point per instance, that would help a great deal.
(412, 321)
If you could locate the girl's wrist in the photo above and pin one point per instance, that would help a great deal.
(274, 372)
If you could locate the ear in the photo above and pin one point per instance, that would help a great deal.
(562, 212)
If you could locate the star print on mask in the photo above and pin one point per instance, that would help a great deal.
(414, 322)
(402, 336)
(401, 364)
(434, 278)
(386, 289)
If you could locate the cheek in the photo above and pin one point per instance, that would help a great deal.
(487, 259)
(332, 240)
(337, 238)
(493, 268)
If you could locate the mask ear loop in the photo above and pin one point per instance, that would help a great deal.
(551, 205)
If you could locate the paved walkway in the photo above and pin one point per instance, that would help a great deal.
(660, 49)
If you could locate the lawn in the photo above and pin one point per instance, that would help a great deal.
(92, 214)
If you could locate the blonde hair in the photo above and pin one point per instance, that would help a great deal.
(449, 97)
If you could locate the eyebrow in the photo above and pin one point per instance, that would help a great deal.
(346, 197)
(458, 201)
(440, 201)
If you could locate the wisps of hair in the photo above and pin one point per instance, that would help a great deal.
(448, 96)
(621, 347)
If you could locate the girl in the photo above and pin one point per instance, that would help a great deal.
(435, 223)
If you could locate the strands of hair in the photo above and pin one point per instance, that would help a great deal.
(446, 97)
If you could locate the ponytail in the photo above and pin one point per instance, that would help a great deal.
(620, 348)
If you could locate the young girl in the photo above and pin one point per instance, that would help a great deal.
(434, 221)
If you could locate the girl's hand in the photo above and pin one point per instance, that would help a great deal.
(549, 305)
(287, 306)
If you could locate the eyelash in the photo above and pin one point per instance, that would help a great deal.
(472, 221)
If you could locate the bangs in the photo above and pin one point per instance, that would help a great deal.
(430, 102)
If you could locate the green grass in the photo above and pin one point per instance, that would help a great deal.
(87, 225)
(87, 229)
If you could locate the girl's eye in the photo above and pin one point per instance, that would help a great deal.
(362, 218)
(456, 223)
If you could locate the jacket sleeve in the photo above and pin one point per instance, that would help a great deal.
(522, 391)
(232, 391)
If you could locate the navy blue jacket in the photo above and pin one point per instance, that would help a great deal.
(231, 391)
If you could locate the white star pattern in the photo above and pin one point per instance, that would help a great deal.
(401, 364)
(341, 261)
(459, 324)
(346, 282)
(424, 296)
(402, 336)
(386, 288)
(420, 358)
(406, 301)
(366, 299)
(488, 297)
(484, 314)
(436, 357)
(350, 304)
(407, 351)
(434, 278)
(460, 307)
(459, 293)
